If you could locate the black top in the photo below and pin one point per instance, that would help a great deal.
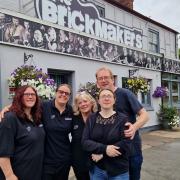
(57, 127)
(23, 142)
(98, 134)
(127, 103)
(80, 157)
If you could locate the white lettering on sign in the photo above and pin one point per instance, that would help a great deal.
(84, 17)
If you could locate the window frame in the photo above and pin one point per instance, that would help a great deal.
(153, 40)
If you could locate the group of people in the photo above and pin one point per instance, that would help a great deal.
(105, 144)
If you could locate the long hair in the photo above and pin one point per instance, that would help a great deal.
(18, 105)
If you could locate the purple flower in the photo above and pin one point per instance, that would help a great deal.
(160, 92)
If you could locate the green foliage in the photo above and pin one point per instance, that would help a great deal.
(167, 116)
(91, 88)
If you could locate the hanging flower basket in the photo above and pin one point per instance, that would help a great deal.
(30, 75)
(160, 92)
(138, 84)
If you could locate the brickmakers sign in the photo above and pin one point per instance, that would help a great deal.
(84, 17)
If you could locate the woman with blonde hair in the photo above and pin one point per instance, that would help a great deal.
(84, 105)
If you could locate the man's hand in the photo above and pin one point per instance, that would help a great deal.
(130, 131)
(97, 157)
(112, 151)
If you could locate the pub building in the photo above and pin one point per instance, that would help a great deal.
(71, 39)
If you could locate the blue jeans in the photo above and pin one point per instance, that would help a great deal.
(99, 174)
(135, 163)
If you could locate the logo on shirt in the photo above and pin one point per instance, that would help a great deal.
(28, 128)
(75, 127)
(52, 116)
(68, 119)
(40, 125)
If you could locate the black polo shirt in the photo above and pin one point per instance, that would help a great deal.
(80, 157)
(23, 142)
(57, 126)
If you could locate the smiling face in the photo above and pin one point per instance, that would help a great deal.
(84, 104)
(106, 99)
(29, 98)
(104, 79)
(62, 95)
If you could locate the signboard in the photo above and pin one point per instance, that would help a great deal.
(84, 17)
(25, 33)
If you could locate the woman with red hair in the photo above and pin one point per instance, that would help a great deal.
(22, 138)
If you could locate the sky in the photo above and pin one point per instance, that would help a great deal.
(166, 12)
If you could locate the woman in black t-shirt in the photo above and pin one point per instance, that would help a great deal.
(22, 138)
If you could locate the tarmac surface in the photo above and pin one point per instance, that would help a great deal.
(161, 152)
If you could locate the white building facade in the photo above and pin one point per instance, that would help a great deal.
(71, 39)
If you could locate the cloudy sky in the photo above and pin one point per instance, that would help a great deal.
(166, 12)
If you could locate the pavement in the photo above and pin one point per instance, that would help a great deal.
(161, 152)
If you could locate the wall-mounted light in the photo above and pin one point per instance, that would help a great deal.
(27, 56)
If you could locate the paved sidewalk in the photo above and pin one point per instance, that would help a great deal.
(160, 137)
(161, 151)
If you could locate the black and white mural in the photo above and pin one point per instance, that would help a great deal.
(18, 31)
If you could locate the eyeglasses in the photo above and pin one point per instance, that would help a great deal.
(29, 94)
(63, 92)
(106, 96)
(103, 78)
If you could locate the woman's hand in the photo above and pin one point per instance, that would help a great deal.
(112, 151)
(97, 157)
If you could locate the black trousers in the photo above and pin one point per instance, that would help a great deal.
(81, 175)
(61, 174)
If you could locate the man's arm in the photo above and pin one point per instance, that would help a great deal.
(142, 118)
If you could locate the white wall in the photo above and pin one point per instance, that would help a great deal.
(84, 70)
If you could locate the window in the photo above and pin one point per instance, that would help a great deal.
(101, 11)
(61, 77)
(172, 82)
(153, 41)
(99, 6)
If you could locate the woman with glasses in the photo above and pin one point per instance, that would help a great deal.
(22, 138)
(57, 119)
(104, 135)
(84, 105)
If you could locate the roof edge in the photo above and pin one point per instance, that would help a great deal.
(119, 5)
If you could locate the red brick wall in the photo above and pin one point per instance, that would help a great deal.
(127, 3)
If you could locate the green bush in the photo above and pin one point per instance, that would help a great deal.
(166, 116)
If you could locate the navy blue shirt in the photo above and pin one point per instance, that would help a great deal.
(57, 146)
(127, 103)
(23, 142)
